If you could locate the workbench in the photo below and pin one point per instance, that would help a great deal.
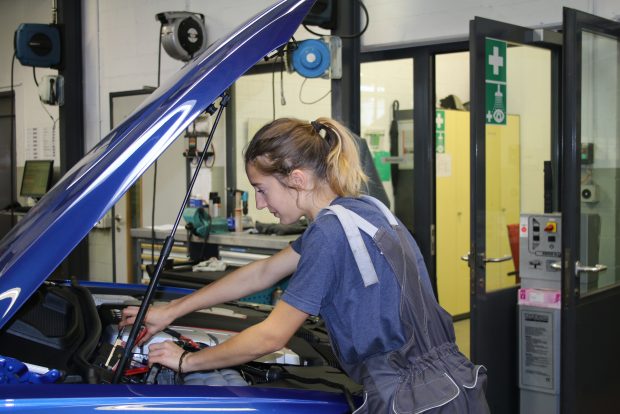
(236, 249)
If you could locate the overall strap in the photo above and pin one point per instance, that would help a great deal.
(383, 208)
(352, 223)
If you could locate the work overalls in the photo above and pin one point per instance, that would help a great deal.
(428, 374)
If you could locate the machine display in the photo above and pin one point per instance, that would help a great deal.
(37, 178)
(59, 343)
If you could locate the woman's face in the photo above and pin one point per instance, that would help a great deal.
(281, 201)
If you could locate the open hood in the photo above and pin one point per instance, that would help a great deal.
(64, 216)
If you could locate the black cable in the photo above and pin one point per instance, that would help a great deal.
(353, 36)
(34, 75)
(282, 98)
(273, 88)
(12, 155)
(161, 28)
(276, 373)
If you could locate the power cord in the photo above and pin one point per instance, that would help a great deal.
(310, 102)
(161, 28)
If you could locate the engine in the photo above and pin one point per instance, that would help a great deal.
(69, 334)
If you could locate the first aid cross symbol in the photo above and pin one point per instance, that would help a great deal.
(439, 120)
(496, 60)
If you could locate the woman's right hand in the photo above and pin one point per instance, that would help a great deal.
(157, 318)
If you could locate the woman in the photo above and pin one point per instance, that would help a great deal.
(355, 266)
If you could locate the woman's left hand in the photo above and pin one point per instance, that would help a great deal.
(166, 353)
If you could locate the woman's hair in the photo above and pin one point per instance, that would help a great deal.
(324, 147)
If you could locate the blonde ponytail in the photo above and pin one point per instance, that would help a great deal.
(344, 171)
(323, 146)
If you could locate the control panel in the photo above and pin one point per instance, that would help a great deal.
(540, 244)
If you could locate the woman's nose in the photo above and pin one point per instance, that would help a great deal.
(260, 202)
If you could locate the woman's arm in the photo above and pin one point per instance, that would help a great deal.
(242, 282)
(256, 341)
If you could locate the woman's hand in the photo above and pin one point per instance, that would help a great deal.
(166, 353)
(157, 318)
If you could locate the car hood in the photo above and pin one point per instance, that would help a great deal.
(39, 242)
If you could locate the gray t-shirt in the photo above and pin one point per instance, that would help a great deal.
(362, 321)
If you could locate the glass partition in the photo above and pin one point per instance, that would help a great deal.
(386, 100)
(600, 166)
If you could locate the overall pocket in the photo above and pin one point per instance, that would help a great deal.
(460, 389)
(427, 390)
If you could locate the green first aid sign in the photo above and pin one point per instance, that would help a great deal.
(495, 81)
(440, 131)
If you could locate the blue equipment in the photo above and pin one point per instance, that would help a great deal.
(37, 45)
(311, 58)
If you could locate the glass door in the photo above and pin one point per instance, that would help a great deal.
(590, 205)
(513, 122)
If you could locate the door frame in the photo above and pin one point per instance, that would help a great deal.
(132, 213)
(493, 323)
(589, 380)
(424, 208)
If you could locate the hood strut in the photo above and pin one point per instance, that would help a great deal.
(167, 247)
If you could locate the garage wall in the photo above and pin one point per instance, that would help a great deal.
(120, 41)
(397, 23)
(29, 112)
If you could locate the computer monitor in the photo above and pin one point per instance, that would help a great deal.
(37, 178)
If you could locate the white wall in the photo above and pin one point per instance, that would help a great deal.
(254, 108)
(121, 47)
(397, 23)
(29, 112)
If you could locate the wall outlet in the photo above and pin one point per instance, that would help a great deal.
(589, 193)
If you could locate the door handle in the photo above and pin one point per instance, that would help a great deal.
(497, 259)
(581, 268)
(597, 268)
(465, 258)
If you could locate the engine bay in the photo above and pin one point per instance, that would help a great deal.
(68, 333)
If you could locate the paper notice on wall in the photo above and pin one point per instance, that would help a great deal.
(443, 165)
(40, 144)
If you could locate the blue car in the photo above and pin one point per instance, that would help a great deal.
(60, 345)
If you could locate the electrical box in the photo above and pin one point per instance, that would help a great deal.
(540, 251)
(540, 248)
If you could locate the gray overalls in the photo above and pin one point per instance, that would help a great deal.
(428, 374)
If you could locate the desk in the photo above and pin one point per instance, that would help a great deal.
(233, 245)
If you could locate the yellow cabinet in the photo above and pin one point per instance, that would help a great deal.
(453, 207)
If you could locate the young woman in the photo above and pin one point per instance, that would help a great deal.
(356, 266)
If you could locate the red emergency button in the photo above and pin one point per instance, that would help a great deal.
(551, 227)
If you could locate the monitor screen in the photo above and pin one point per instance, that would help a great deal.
(37, 178)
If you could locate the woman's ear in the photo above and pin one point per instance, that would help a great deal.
(298, 179)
